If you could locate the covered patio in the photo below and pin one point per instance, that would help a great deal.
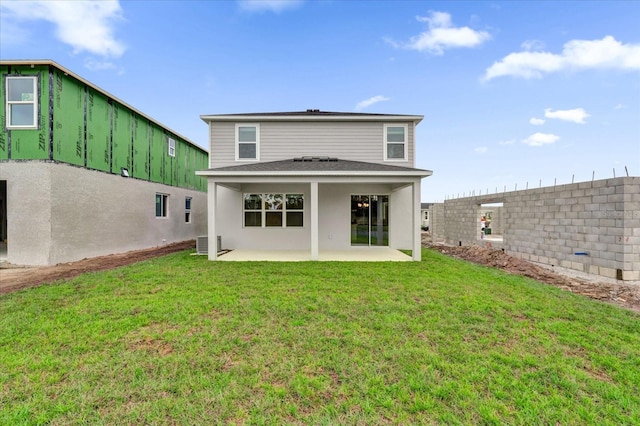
(340, 210)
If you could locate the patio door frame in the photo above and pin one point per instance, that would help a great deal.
(377, 234)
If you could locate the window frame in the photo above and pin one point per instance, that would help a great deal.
(256, 142)
(187, 209)
(164, 205)
(9, 102)
(405, 143)
(171, 147)
(263, 210)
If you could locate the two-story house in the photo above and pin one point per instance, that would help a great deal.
(313, 181)
(84, 174)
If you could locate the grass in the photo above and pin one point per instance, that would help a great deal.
(180, 340)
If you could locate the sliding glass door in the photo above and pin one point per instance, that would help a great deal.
(369, 220)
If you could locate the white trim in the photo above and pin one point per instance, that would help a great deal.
(257, 141)
(171, 147)
(212, 196)
(187, 211)
(405, 143)
(34, 101)
(417, 233)
(164, 205)
(314, 216)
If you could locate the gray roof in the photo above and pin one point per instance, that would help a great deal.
(309, 112)
(314, 115)
(316, 164)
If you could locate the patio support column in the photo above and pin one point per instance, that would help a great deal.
(417, 240)
(313, 209)
(212, 195)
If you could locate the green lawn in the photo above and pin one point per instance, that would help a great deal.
(180, 340)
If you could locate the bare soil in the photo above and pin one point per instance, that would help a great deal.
(618, 293)
(15, 278)
(625, 295)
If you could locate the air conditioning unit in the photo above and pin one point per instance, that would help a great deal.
(202, 244)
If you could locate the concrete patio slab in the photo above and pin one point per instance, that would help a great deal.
(373, 254)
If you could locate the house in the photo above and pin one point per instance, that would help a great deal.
(84, 174)
(424, 214)
(313, 181)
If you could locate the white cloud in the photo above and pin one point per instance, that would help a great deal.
(368, 102)
(539, 139)
(607, 53)
(576, 115)
(532, 45)
(537, 121)
(481, 149)
(507, 142)
(442, 35)
(619, 106)
(84, 25)
(97, 65)
(276, 6)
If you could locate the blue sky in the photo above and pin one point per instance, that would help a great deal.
(513, 94)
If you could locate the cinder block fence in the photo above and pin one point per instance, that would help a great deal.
(591, 226)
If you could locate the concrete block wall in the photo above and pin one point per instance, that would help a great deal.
(588, 226)
(61, 213)
(436, 222)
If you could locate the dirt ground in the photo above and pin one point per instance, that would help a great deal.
(13, 278)
(625, 295)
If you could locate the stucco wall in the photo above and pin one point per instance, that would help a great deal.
(60, 213)
(589, 226)
(28, 212)
(334, 228)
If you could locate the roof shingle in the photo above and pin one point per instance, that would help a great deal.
(316, 164)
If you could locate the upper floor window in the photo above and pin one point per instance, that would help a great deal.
(247, 142)
(22, 105)
(172, 147)
(395, 142)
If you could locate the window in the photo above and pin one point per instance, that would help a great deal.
(426, 215)
(395, 142)
(161, 205)
(247, 142)
(273, 210)
(172, 147)
(22, 106)
(252, 209)
(187, 210)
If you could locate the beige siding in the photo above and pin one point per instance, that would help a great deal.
(222, 149)
(357, 141)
